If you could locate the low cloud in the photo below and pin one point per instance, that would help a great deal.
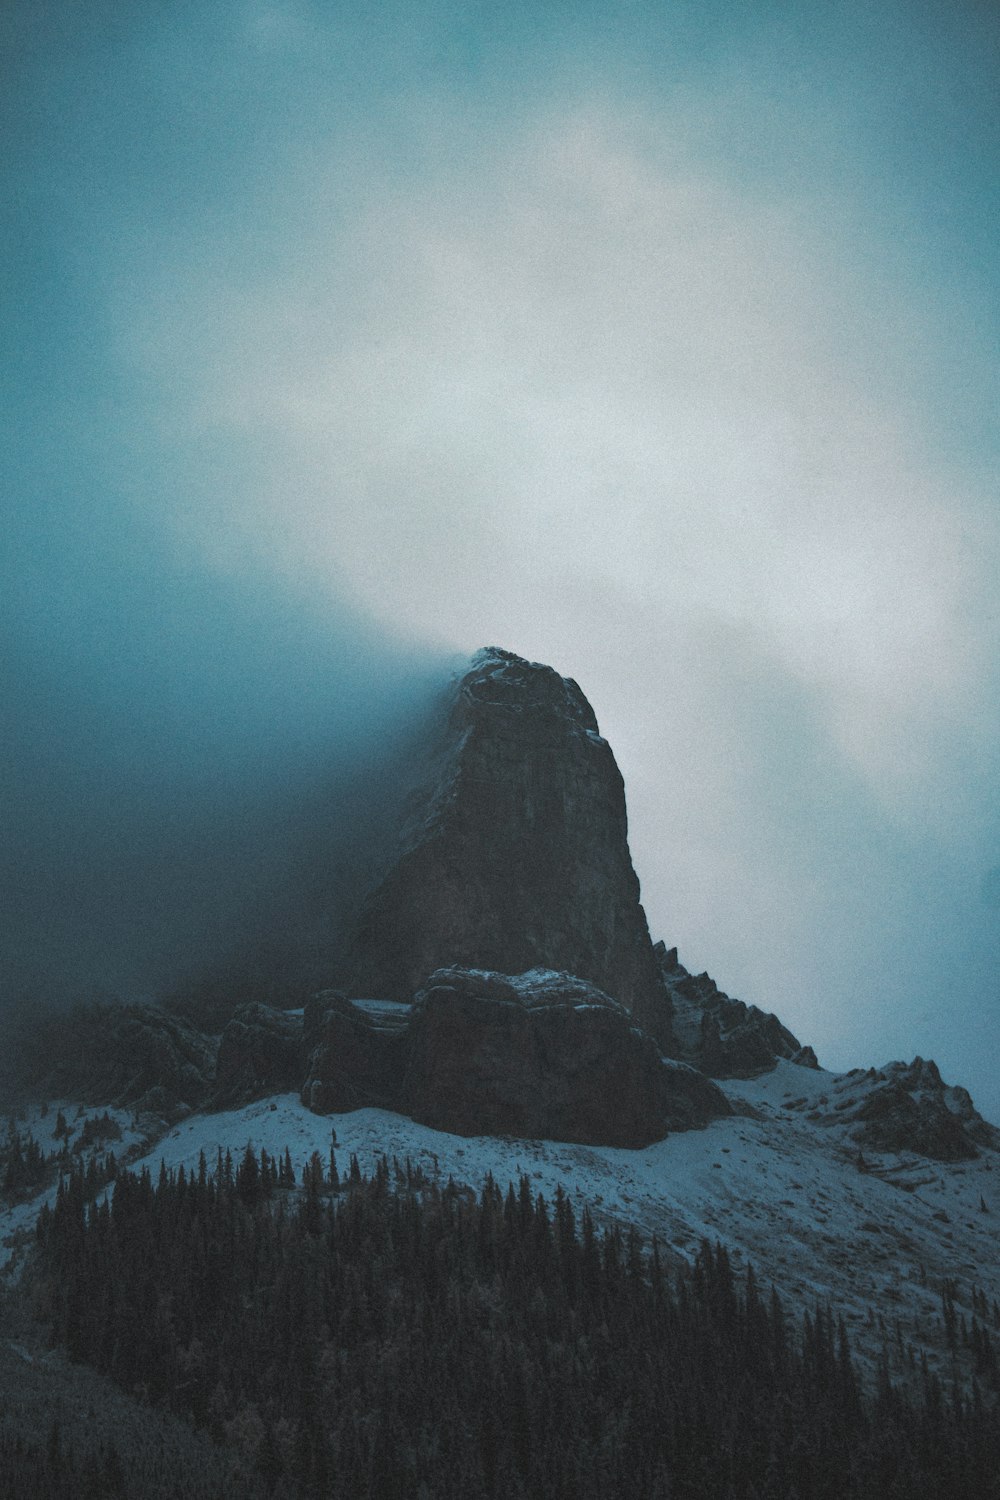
(580, 395)
(580, 362)
(630, 353)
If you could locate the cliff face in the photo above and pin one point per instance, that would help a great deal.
(541, 1054)
(502, 979)
(515, 855)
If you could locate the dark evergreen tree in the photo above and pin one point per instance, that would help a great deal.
(401, 1338)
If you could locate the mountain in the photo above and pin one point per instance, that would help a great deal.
(722, 1037)
(515, 853)
(789, 1181)
(500, 978)
(500, 1008)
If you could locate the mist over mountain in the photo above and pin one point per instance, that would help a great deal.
(656, 342)
(181, 762)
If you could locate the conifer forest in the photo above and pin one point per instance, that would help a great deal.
(391, 1336)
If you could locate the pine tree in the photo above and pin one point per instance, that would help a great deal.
(248, 1178)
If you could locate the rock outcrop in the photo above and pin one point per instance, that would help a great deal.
(911, 1108)
(537, 1055)
(126, 1055)
(357, 1053)
(540, 1054)
(515, 987)
(261, 1052)
(515, 854)
(722, 1037)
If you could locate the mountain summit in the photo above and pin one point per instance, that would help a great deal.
(515, 852)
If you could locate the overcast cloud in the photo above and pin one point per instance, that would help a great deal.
(657, 349)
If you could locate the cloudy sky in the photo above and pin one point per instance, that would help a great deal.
(656, 341)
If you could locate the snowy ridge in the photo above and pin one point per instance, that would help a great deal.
(781, 1183)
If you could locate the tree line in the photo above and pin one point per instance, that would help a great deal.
(383, 1335)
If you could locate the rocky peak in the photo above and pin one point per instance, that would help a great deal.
(723, 1037)
(909, 1107)
(503, 680)
(514, 855)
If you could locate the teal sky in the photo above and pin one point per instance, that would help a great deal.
(657, 341)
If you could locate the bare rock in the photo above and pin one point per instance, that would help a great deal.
(515, 854)
(692, 1100)
(261, 1052)
(546, 1055)
(357, 1053)
(541, 1054)
(722, 1037)
(913, 1109)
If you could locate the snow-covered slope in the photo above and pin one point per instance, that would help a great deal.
(17, 1218)
(781, 1183)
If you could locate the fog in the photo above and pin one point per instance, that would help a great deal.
(655, 342)
(196, 776)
